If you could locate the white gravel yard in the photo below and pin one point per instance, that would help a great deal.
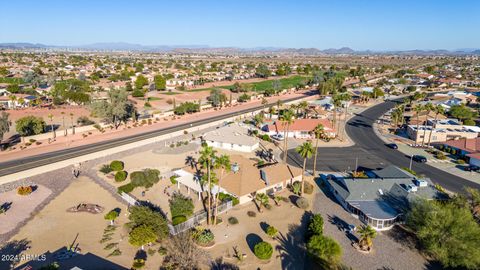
(388, 253)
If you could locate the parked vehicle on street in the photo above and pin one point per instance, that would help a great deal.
(392, 145)
(419, 158)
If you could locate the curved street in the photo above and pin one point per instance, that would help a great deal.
(371, 153)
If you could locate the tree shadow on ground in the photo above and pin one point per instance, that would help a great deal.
(220, 264)
(12, 249)
(341, 224)
(291, 246)
(264, 226)
(253, 239)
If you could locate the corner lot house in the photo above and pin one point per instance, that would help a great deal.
(380, 200)
(300, 128)
(232, 137)
(246, 179)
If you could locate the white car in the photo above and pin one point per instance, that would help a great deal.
(278, 137)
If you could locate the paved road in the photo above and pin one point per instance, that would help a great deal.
(22, 164)
(372, 153)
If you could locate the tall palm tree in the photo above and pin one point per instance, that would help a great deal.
(224, 163)
(73, 126)
(305, 151)
(337, 102)
(258, 118)
(21, 101)
(303, 106)
(438, 110)
(207, 159)
(345, 97)
(13, 98)
(367, 234)
(319, 133)
(50, 116)
(279, 104)
(418, 109)
(65, 132)
(287, 119)
(428, 108)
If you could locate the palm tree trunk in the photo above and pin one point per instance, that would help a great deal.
(286, 145)
(315, 159)
(209, 208)
(418, 125)
(65, 132)
(303, 173)
(344, 121)
(430, 135)
(216, 200)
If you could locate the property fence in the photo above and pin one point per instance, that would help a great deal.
(197, 218)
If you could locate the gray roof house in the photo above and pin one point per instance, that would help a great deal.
(232, 137)
(381, 199)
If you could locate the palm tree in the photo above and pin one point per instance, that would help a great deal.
(224, 163)
(21, 101)
(65, 132)
(303, 106)
(50, 116)
(319, 133)
(207, 159)
(418, 109)
(428, 108)
(279, 104)
(337, 102)
(262, 200)
(287, 118)
(73, 126)
(345, 97)
(305, 151)
(258, 118)
(367, 234)
(438, 110)
(13, 98)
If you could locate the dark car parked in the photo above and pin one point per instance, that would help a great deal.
(471, 168)
(419, 158)
(392, 145)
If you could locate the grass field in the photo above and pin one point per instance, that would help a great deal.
(11, 80)
(169, 93)
(263, 85)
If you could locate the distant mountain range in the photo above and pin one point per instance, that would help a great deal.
(123, 46)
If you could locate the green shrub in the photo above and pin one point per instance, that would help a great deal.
(151, 252)
(173, 179)
(308, 188)
(178, 219)
(110, 246)
(409, 170)
(324, 250)
(120, 176)
(303, 203)
(181, 205)
(251, 214)
(232, 220)
(126, 188)
(116, 165)
(138, 263)
(162, 251)
(265, 137)
(271, 231)
(460, 161)
(315, 225)
(223, 197)
(263, 250)
(146, 178)
(106, 169)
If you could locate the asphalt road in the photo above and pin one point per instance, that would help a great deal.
(22, 164)
(371, 153)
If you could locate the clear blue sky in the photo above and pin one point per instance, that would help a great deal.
(359, 24)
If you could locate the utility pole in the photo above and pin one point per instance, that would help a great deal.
(356, 165)
(411, 159)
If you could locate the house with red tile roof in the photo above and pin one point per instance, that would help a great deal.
(300, 128)
(469, 148)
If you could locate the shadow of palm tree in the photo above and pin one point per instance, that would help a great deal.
(291, 246)
(219, 264)
(13, 248)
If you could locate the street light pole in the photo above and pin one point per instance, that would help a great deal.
(411, 159)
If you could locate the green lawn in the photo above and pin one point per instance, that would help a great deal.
(169, 93)
(155, 98)
(11, 80)
(263, 85)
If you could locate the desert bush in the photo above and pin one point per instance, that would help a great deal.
(138, 263)
(116, 165)
(110, 246)
(162, 251)
(126, 188)
(461, 161)
(151, 252)
(223, 197)
(120, 176)
(84, 121)
(203, 236)
(308, 188)
(263, 250)
(271, 231)
(315, 225)
(303, 203)
(105, 169)
(232, 220)
(173, 179)
(251, 214)
(24, 190)
(146, 178)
